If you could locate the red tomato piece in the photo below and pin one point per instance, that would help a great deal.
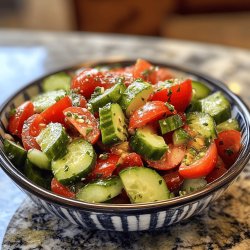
(22, 113)
(84, 122)
(171, 159)
(86, 82)
(55, 112)
(128, 160)
(228, 144)
(145, 71)
(58, 188)
(163, 74)
(104, 167)
(31, 129)
(113, 76)
(202, 166)
(149, 112)
(179, 95)
(122, 198)
(173, 180)
(217, 172)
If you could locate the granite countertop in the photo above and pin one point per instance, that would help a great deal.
(26, 55)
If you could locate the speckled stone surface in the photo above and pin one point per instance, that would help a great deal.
(25, 56)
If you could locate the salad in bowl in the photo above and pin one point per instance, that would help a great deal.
(123, 134)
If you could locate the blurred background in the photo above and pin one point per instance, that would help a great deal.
(216, 21)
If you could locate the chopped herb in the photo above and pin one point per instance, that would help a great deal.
(66, 168)
(229, 151)
(103, 156)
(205, 124)
(109, 197)
(12, 112)
(170, 93)
(169, 106)
(88, 130)
(119, 130)
(160, 182)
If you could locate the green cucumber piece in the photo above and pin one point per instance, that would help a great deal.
(151, 146)
(16, 154)
(44, 101)
(203, 124)
(39, 159)
(144, 185)
(57, 81)
(76, 164)
(180, 137)
(112, 124)
(228, 125)
(53, 140)
(215, 105)
(135, 96)
(100, 190)
(170, 123)
(200, 90)
(111, 95)
(192, 185)
(40, 177)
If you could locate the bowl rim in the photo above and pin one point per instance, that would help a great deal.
(50, 197)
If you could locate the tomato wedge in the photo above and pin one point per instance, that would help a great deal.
(149, 112)
(178, 94)
(173, 180)
(105, 166)
(86, 82)
(128, 160)
(217, 172)
(55, 112)
(171, 159)
(58, 188)
(163, 74)
(228, 144)
(31, 128)
(145, 71)
(84, 122)
(16, 121)
(201, 167)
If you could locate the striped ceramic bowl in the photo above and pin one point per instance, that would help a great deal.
(129, 217)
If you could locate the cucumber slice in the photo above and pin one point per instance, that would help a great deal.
(144, 185)
(191, 185)
(149, 145)
(215, 105)
(101, 190)
(40, 177)
(228, 125)
(43, 101)
(180, 137)
(112, 124)
(76, 164)
(135, 96)
(111, 95)
(39, 159)
(203, 124)
(57, 81)
(170, 123)
(16, 154)
(200, 90)
(53, 140)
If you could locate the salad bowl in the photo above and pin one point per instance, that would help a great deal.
(129, 217)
